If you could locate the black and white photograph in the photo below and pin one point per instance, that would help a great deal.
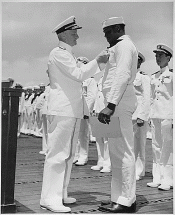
(87, 107)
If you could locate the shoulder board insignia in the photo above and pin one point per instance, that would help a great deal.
(143, 73)
(61, 48)
(171, 70)
(155, 73)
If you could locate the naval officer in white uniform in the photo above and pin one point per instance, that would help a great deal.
(161, 115)
(141, 116)
(64, 111)
(121, 101)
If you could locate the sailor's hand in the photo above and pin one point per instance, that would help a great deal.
(105, 115)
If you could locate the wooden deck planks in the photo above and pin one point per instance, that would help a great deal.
(87, 186)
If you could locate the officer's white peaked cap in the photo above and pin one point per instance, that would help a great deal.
(68, 24)
(164, 48)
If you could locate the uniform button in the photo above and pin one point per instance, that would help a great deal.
(157, 85)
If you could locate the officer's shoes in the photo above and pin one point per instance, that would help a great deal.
(42, 152)
(139, 177)
(152, 184)
(96, 167)
(80, 163)
(55, 208)
(105, 169)
(165, 187)
(69, 200)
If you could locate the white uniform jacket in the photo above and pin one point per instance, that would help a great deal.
(65, 96)
(142, 90)
(120, 71)
(162, 94)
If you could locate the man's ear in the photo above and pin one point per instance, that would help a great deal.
(169, 58)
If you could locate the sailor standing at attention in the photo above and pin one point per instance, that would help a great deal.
(161, 115)
(121, 101)
(141, 116)
(64, 112)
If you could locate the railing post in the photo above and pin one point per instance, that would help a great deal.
(9, 126)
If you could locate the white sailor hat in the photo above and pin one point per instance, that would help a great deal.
(36, 87)
(113, 21)
(30, 88)
(140, 56)
(83, 60)
(164, 48)
(42, 85)
(68, 24)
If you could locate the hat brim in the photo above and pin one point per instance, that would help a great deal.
(160, 50)
(74, 27)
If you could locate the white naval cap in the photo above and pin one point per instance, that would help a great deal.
(83, 60)
(113, 21)
(164, 48)
(30, 88)
(68, 24)
(36, 87)
(42, 85)
(140, 56)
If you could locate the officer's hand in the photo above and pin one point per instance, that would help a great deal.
(104, 115)
(140, 122)
(103, 57)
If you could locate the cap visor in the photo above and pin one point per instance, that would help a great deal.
(159, 50)
(76, 27)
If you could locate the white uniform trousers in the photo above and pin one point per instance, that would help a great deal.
(121, 149)
(83, 141)
(62, 138)
(140, 134)
(25, 122)
(162, 147)
(45, 135)
(103, 152)
(39, 123)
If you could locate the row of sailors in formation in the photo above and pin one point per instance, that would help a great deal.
(33, 120)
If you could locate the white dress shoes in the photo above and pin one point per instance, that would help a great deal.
(152, 184)
(80, 163)
(96, 167)
(42, 152)
(69, 200)
(164, 187)
(55, 208)
(137, 178)
(105, 169)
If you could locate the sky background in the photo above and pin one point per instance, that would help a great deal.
(27, 37)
